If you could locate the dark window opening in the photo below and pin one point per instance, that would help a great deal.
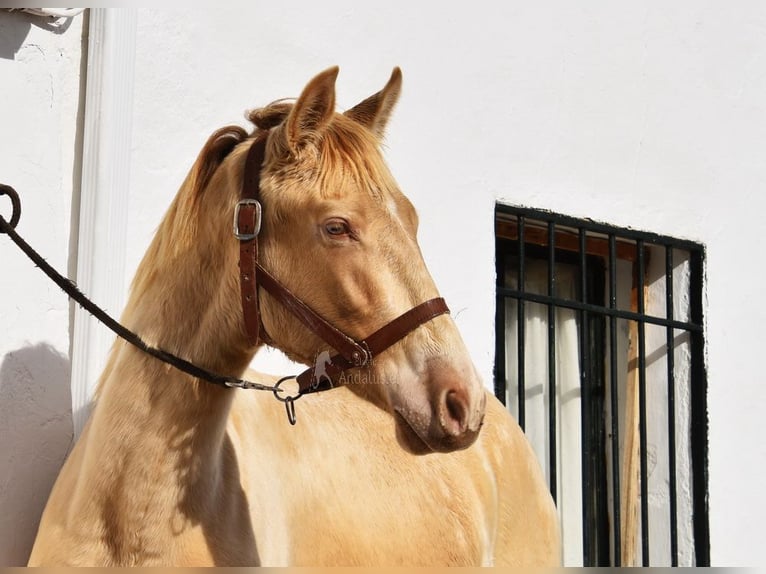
(600, 357)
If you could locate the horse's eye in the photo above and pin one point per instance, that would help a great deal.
(337, 227)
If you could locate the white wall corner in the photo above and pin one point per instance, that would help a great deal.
(104, 189)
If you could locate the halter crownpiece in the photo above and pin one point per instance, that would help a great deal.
(248, 217)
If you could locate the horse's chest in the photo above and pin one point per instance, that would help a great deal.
(383, 528)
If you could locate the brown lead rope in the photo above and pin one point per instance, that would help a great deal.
(247, 225)
(372, 346)
(115, 326)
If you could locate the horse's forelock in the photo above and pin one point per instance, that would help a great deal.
(350, 153)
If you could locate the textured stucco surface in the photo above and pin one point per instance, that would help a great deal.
(40, 78)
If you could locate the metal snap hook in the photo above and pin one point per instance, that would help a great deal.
(289, 401)
(15, 204)
(290, 408)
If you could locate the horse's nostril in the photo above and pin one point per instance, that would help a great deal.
(457, 411)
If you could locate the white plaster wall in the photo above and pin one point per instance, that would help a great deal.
(649, 115)
(39, 99)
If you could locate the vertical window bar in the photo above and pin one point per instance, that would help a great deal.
(614, 402)
(552, 455)
(671, 407)
(642, 405)
(585, 434)
(521, 326)
(500, 374)
(699, 414)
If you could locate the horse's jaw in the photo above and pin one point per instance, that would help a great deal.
(407, 438)
(420, 443)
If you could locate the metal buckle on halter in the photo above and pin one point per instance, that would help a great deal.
(256, 224)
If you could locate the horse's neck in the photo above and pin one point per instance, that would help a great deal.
(151, 460)
(175, 308)
(153, 427)
(156, 429)
(149, 396)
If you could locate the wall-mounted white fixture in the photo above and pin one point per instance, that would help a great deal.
(55, 18)
(54, 12)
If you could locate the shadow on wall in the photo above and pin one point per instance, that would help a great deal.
(15, 26)
(35, 436)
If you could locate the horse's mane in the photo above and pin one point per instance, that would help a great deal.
(223, 141)
(218, 146)
(270, 116)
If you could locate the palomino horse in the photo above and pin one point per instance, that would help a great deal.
(171, 470)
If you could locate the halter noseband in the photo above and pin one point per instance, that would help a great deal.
(351, 353)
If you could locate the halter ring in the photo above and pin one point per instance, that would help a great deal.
(289, 400)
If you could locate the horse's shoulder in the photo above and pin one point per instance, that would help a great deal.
(500, 433)
(522, 491)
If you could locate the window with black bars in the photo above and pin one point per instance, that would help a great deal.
(600, 357)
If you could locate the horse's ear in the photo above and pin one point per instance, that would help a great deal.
(313, 110)
(375, 111)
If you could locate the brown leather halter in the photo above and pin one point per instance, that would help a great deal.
(351, 353)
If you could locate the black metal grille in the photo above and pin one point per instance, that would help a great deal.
(598, 260)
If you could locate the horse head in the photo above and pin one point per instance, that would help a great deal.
(341, 235)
